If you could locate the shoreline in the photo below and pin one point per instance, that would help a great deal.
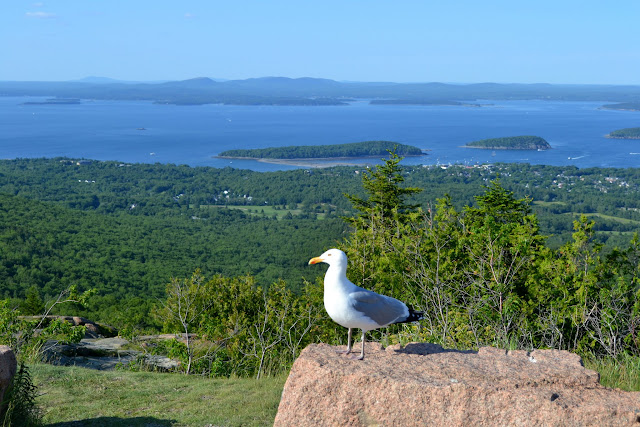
(507, 148)
(315, 162)
(621, 137)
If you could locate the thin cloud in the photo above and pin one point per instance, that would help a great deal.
(189, 15)
(41, 15)
(39, 4)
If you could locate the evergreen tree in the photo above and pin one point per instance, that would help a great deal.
(386, 197)
(33, 304)
(383, 222)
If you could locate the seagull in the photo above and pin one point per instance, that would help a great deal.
(354, 307)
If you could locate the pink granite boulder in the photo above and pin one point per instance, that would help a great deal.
(424, 384)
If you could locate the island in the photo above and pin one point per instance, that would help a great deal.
(428, 102)
(334, 151)
(525, 142)
(54, 101)
(626, 133)
(250, 100)
(623, 106)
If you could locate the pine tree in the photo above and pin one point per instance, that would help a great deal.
(386, 198)
(382, 223)
(33, 304)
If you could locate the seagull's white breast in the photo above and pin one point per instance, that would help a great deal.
(340, 306)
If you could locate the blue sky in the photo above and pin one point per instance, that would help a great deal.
(403, 41)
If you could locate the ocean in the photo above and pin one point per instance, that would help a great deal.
(143, 132)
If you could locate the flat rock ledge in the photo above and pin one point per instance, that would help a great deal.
(424, 384)
(106, 354)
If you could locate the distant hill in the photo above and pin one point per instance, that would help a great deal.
(525, 142)
(356, 149)
(197, 83)
(313, 91)
(96, 80)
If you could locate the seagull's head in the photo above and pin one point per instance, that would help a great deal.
(332, 257)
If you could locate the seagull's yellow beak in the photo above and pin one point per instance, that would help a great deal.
(315, 260)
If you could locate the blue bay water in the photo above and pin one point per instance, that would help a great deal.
(193, 135)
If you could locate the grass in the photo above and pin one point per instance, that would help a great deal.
(622, 373)
(588, 215)
(71, 396)
(541, 203)
(603, 216)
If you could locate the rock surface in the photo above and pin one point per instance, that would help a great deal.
(103, 354)
(8, 368)
(92, 329)
(424, 384)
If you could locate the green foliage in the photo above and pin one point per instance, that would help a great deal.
(526, 142)
(562, 291)
(484, 276)
(621, 372)
(33, 303)
(355, 149)
(26, 336)
(231, 326)
(383, 218)
(19, 406)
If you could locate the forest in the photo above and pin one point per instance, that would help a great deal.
(525, 142)
(132, 235)
(355, 149)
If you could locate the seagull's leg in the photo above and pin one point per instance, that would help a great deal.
(361, 357)
(348, 344)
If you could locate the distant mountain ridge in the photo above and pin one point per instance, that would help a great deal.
(311, 91)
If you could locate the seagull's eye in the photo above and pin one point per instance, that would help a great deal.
(328, 254)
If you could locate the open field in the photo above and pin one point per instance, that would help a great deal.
(260, 210)
(541, 203)
(117, 398)
(608, 217)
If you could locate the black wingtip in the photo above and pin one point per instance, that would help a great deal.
(414, 316)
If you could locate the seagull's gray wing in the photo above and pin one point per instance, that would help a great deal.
(382, 309)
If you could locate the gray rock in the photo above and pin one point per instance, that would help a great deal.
(103, 354)
(8, 368)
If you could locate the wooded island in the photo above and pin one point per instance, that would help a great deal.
(351, 150)
(626, 133)
(525, 142)
(623, 106)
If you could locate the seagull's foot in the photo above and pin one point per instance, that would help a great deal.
(343, 351)
(354, 357)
